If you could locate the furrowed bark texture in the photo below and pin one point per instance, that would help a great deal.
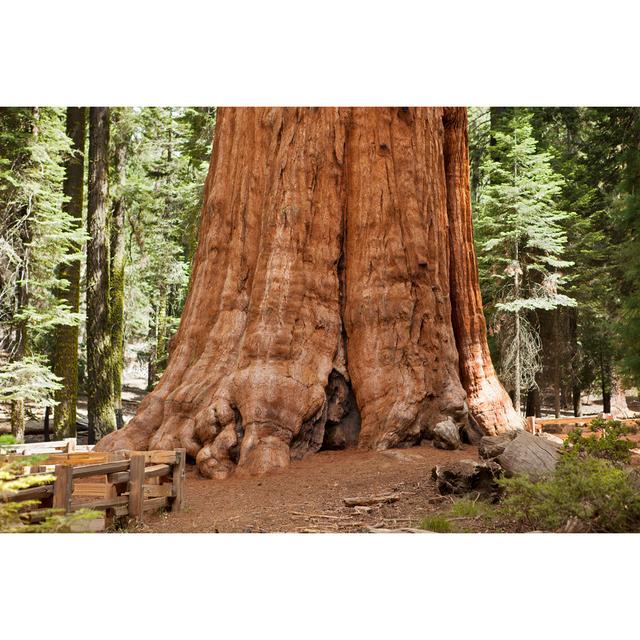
(117, 268)
(65, 348)
(99, 373)
(320, 306)
(490, 407)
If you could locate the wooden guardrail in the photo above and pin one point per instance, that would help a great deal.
(123, 483)
(536, 425)
(68, 445)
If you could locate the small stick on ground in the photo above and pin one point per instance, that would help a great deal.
(315, 515)
(365, 501)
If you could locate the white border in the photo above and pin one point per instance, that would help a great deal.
(323, 53)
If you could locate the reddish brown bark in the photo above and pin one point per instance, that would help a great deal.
(321, 294)
(490, 408)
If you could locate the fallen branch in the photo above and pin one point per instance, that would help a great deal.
(315, 515)
(401, 530)
(364, 501)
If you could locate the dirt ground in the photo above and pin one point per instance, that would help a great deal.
(308, 495)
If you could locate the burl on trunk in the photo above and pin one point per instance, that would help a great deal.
(334, 297)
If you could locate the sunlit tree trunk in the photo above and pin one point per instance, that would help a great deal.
(99, 372)
(65, 343)
(334, 244)
(117, 266)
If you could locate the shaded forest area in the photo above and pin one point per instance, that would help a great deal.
(98, 226)
(98, 220)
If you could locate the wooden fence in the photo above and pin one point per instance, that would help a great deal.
(68, 445)
(536, 425)
(122, 483)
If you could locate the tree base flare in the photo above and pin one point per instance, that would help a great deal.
(333, 302)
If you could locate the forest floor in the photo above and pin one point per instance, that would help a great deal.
(308, 496)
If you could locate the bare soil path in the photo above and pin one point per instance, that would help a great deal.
(308, 495)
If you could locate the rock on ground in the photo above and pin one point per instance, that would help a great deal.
(492, 446)
(528, 454)
(551, 438)
(446, 435)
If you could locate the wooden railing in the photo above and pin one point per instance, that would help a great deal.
(536, 425)
(123, 483)
(68, 445)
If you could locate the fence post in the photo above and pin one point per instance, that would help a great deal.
(136, 482)
(178, 479)
(531, 424)
(63, 487)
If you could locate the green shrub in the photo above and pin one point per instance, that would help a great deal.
(610, 445)
(437, 523)
(598, 493)
(7, 438)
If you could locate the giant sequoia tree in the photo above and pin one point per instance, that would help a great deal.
(334, 293)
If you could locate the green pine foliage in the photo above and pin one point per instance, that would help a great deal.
(628, 222)
(519, 224)
(36, 234)
(28, 379)
(521, 235)
(165, 181)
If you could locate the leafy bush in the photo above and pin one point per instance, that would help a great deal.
(609, 445)
(5, 439)
(593, 491)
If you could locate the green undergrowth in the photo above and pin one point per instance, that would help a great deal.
(593, 486)
(436, 523)
(458, 516)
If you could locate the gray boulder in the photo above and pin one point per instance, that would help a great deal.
(551, 438)
(492, 446)
(531, 455)
(446, 435)
(466, 476)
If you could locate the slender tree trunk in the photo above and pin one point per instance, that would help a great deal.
(576, 386)
(606, 382)
(517, 374)
(153, 349)
(577, 401)
(47, 424)
(161, 333)
(330, 245)
(533, 400)
(116, 283)
(556, 363)
(65, 344)
(99, 372)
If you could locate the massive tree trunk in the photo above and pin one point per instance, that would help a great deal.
(99, 372)
(65, 347)
(334, 284)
